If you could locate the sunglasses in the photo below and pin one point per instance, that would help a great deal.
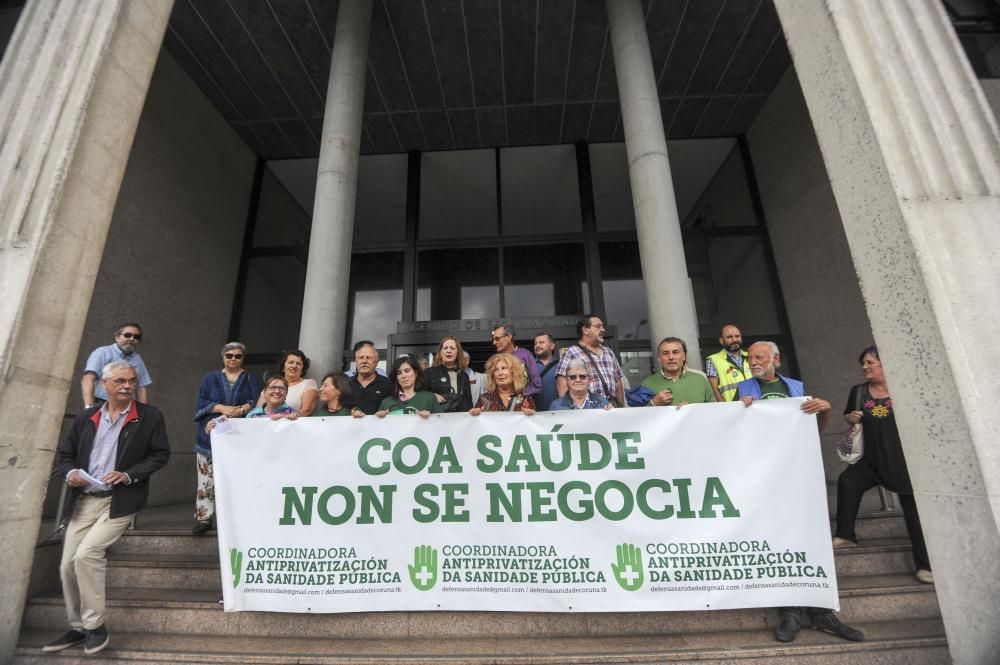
(233, 356)
(135, 336)
(577, 377)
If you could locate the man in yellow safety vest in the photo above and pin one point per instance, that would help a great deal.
(729, 366)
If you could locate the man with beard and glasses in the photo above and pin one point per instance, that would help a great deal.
(767, 383)
(127, 337)
(729, 366)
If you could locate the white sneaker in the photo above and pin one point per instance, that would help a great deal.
(925, 576)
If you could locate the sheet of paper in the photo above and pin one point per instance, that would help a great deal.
(222, 425)
(93, 484)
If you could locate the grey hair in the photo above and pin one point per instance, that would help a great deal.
(235, 345)
(112, 366)
(578, 363)
(773, 348)
(508, 330)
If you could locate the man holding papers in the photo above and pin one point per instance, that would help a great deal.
(107, 460)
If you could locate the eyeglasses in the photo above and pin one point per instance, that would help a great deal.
(233, 356)
(497, 339)
(121, 382)
(277, 389)
(130, 335)
(577, 377)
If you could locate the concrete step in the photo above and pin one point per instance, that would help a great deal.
(165, 571)
(878, 525)
(912, 642)
(166, 542)
(875, 556)
(868, 598)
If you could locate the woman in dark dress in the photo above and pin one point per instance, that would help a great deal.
(882, 464)
(447, 378)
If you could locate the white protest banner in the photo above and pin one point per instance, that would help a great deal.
(709, 506)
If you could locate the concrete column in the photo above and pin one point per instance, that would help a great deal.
(324, 303)
(913, 154)
(661, 250)
(72, 86)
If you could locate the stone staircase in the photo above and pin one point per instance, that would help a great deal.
(163, 590)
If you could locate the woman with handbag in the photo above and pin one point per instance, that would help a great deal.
(447, 377)
(882, 462)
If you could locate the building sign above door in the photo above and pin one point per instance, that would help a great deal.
(487, 325)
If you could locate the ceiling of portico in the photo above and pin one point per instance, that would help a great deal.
(452, 74)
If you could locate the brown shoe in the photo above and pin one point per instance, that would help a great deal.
(843, 543)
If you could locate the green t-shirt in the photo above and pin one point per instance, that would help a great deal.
(421, 401)
(776, 389)
(691, 386)
(323, 410)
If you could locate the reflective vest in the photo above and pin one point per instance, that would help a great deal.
(728, 373)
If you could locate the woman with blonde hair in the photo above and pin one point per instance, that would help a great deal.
(505, 382)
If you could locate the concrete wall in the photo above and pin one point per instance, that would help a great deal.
(825, 308)
(991, 87)
(172, 256)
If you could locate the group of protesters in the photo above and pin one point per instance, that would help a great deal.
(586, 375)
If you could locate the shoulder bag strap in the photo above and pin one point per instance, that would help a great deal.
(597, 370)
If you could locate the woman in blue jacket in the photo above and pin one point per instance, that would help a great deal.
(231, 392)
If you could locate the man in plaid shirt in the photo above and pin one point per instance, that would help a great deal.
(605, 372)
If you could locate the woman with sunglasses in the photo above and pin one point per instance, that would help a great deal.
(228, 392)
(579, 396)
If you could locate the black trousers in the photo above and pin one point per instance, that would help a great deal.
(851, 486)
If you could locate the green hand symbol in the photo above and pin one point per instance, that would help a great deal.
(628, 571)
(423, 572)
(236, 564)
